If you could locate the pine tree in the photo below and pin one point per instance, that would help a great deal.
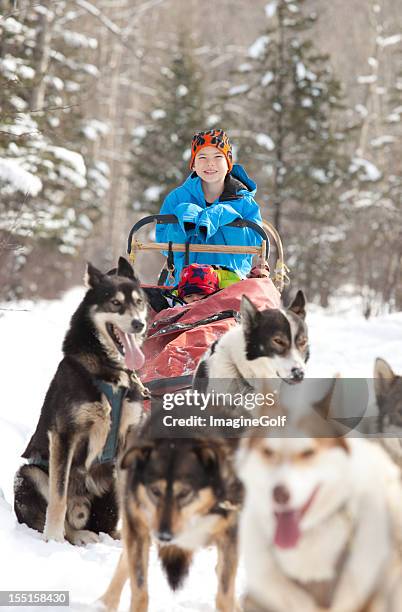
(51, 186)
(294, 139)
(161, 145)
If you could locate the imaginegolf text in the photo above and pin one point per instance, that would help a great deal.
(235, 423)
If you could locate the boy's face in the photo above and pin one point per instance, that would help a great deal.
(211, 165)
(193, 297)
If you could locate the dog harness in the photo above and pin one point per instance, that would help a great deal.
(115, 398)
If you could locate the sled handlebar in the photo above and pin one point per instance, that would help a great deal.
(280, 275)
(171, 219)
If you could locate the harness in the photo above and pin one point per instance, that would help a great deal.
(115, 398)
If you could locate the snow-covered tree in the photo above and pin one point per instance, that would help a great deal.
(294, 139)
(50, 186)
(161, 144)
(375, 199)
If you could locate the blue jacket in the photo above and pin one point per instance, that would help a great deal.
(202, 224)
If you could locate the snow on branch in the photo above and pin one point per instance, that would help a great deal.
(19, 179)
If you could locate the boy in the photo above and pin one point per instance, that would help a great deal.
(215, 194)
(196, 282)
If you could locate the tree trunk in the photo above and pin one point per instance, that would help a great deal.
(42, 55)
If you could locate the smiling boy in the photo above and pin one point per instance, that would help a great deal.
(216, 193)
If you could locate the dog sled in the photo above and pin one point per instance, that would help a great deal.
(178, 336)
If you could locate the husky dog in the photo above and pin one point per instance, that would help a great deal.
(267, 344)
(388, 391)
(321, 523)
(67, 489)
(181, 494)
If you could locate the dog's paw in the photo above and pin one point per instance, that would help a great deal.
(81, 537)
(56, 535)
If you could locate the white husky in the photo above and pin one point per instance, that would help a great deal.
(320, 523)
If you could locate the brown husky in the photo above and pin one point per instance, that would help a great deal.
(182, 494)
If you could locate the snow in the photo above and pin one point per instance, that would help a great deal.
(181, 91)
(301, 71)
(213, 120)
(306, 102)
(18, 178)
(270, 9)
(158, 113)
(267, 78)
(341, 341)
(71, 157)
(94, 128)
(367, 170)
(18, 103)
(238, 89)
(258, 47)
(55, 82)
(26, 72)
(319, 175)
(76, 40)
(367, 79)
(139, 132)
(265, 141)
(382, 140)
(91, 70)
(361, 109)
(389, 40)
(12, 25)
(152, 194)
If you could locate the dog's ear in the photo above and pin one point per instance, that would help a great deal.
(124, 268)
(208, 456)
(135, 454)
(92, 276)
(323, 406)
(111, 272)
(383, 377)
(248, 311)
(298, 306)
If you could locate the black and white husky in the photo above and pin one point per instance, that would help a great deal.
(67, 488)
(272, 343)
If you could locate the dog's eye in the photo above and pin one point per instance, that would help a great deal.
(268, 452)
(279, 341)
(138, 302)
(302, 343)
(155, 491)
(185, 494)
(116, 302)
(306, 454)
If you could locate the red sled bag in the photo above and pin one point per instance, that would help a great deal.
(178, 337)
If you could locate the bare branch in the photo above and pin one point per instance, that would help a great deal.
(95, 12)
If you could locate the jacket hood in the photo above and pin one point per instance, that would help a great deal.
(237, 184)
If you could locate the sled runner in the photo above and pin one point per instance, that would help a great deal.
(179, 336)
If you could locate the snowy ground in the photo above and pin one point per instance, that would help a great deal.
(31, 335)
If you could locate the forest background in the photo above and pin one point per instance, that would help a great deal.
(99, 100)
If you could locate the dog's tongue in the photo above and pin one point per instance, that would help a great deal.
(133, 355)
(287, 531)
